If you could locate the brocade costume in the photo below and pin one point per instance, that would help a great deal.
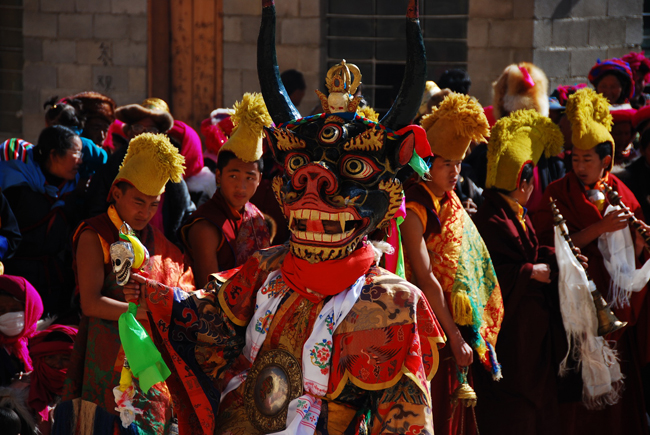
(382, 354)
(628, 415)
(97, 357)
(462, 265)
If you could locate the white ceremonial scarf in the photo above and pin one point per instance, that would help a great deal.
(618, 255)
(601, 372)
(303, 412)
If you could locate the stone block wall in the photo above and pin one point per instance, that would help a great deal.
(298, 45)
(563, 37)
(575, 34)
(80, 45)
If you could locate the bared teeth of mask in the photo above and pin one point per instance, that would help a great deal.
(342, 218)
(292, 215)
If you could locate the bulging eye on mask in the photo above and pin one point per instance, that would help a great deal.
(12, 324)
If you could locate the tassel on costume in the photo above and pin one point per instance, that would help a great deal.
(461, 307)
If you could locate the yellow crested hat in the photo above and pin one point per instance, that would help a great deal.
(453, 125)
(591, 122)
(150, 162)
(249, 119)
(517, 139)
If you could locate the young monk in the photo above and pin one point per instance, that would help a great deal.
(447, 259)
(97, 358)
(583, 205)
(227, 229)
(525, 401)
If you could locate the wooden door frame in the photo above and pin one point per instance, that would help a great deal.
(160, 79)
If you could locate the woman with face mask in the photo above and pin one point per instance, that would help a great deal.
(20, 309)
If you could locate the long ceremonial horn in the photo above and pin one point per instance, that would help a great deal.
(275, 95)
(408, 100)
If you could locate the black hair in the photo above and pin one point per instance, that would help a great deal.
(9, 421)
(457, 80)
(645, 140)
(67, 112)
(604, 149)
(226, 156)
(527, 172)
(293, 80)
(56, 138)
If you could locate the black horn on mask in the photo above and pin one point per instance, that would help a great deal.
(408, 100)
(275, 95)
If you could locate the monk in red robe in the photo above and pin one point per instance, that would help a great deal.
(582, 203)
(525, 400)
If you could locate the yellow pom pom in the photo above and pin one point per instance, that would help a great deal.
(461, 308)
(524, 136)
(250, 117)
(451, 127)
(150, 162)
(591, 122)
(368, 113)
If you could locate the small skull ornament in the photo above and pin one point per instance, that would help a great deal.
(122, 257)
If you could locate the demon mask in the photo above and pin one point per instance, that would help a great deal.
(339, 180)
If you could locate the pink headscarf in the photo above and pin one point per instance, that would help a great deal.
(22, 290)
(47, 382)
(191, 147)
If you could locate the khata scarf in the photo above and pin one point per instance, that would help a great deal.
(601, 372)
(303, 412)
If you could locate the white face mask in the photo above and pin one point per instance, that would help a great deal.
(12, 324)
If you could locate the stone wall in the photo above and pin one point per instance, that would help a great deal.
(79, 45)
(563, 37)
(298, 45)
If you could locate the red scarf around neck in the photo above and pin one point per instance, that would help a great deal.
(326, 278)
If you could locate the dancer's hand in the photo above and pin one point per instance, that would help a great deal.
(462, 351)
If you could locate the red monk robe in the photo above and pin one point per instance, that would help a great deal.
(532, 339)
(628, 415)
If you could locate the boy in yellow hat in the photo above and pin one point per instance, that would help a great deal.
(227, 229)
(526, 399)
(151, 161)
(447, 259)
(580, 200)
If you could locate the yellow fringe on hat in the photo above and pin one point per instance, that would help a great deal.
(150, 162)
(368, 113)
(591, 122)
(251, 113)
(167, 159)
(461, 307)
(249, 119)
(453, 125)
(464, 113)
(541, 136)
(585, 106)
